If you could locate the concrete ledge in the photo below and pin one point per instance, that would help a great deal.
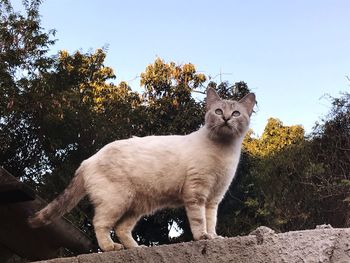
(324, 244)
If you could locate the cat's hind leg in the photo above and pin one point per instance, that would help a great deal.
(108, 211)
(104, 221)
(124, 228)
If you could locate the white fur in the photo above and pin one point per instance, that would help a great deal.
(159, 166)
(145, 174)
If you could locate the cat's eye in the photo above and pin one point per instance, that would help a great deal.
(236, 113)
(219, 111)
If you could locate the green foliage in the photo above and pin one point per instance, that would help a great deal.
(23, 49)
(234, 92)
(295, 182)
(331, 150)
(274, 160)
(168, 97)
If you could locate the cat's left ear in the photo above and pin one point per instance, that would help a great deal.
(249, 102)
(212, 97)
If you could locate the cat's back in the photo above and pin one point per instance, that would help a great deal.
(148, 143)
(141, 151)
(139, 161)
(158, 151)
(167, 149)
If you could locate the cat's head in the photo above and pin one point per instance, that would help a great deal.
(228, 119)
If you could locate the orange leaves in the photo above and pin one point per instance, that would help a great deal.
(276, 136)
(160, 75)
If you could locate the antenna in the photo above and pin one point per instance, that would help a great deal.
(221, 74)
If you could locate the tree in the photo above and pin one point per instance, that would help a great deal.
(257, 195)
(171, 108)
(295, 182)
(227, 91)
(23, 49)
(84, 111)
(274, 138)
(55, 110)
(331, 151)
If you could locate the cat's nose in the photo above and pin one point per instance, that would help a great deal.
(226, 119)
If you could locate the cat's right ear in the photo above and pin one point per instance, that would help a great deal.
(249, 102)
(212, 97)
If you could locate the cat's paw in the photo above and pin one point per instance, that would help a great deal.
(112, 247)
(206, 236)
(209, 236)
(118, 246)
(215, 235)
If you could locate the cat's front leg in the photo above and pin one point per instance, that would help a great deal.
(195, 210)
(211, 209)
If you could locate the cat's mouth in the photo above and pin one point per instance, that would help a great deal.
(227, 128)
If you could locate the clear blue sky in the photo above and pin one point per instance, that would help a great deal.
(290, 53)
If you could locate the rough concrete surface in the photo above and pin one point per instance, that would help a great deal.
(324, 244)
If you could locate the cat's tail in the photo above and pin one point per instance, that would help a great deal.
(65, 202)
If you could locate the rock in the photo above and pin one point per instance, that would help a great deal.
(262, 245)
(324, 226)
(260, 232)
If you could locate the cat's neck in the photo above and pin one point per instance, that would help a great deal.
(233, 143)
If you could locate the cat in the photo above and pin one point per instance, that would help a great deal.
(130, 178)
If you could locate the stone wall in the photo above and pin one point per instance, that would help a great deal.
(323, 244)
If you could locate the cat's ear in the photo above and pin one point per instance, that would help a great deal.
(249, 102)
(212, 97)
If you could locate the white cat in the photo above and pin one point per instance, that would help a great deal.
(130, 178)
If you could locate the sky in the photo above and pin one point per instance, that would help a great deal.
(290, 53)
